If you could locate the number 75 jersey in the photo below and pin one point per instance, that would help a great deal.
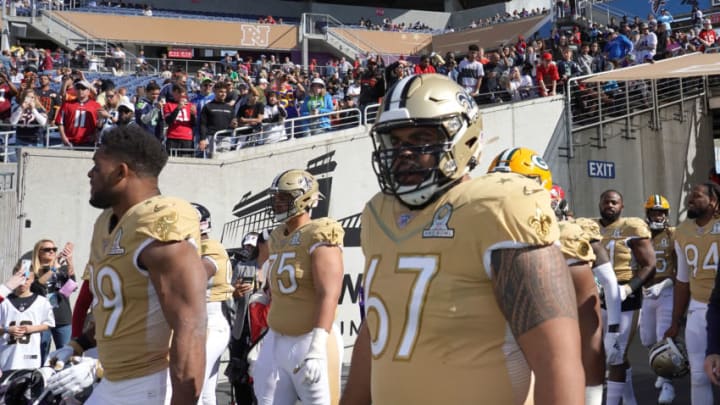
(697, 256)
(133, 337)
(437, 333)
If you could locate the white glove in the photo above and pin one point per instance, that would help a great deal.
(315, 360)
(625, 291)
(655, 290)
(62, 354)
(74, 379)
(613, 348)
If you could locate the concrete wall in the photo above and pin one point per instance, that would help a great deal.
(667, 161)
(54, 186)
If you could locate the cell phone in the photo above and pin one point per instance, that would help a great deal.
(248, 279)
(25, 267)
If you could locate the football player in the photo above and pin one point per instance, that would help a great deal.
(627, 239)
(577, 246)
(219, 271)
(147, 280)
(656, 312)
(302, 352)
(696, 247)
(465, 287)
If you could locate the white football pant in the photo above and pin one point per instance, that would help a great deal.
(655, 317)
(218, 337)
(275, 383)
(696, 343)
(153, 389)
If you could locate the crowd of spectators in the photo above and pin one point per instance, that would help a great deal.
(256, 96)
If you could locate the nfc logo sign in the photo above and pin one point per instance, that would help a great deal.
(255, 35)
(600, 169)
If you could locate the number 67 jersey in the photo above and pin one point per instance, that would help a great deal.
(437, 334)
(133, 337)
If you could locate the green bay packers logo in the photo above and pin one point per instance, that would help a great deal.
(539, 162)
(439, 226)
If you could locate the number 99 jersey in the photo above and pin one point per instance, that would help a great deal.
(292, 311)
(616, 238)
(133, 337)
(697, 253)
(429, 299)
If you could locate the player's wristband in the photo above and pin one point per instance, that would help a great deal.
(635, 283)
(81, 344)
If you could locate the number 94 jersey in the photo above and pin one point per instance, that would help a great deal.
(292, 311)
(430, 306)
(697, 254)
(133, 337)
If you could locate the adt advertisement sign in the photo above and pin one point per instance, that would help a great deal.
(601, 169)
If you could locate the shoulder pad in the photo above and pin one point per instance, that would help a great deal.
(636, 227)
(328, 231)
(167, 219)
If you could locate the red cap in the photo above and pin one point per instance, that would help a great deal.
(547, 56)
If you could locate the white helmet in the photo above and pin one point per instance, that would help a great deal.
(428, 100)
(302, 190)
(669, 358)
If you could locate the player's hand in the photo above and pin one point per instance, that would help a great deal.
(613, 348)
(625, 291)
(672, 331)
(62, 354)
(655, 290)
(712, 368)
(73, 379)
(314, 362)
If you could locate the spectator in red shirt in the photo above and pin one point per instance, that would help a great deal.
(707, 36)
(424, 66)
(179, 117)
(77, 119)
(7, 92)
(547, 76)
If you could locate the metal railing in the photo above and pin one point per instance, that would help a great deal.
(226, 140)
(598, 104)
(293, 128)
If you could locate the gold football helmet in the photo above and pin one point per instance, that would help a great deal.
(425, 101)
(669, 359)
(523, 161)
(292, 193)
(657, 219)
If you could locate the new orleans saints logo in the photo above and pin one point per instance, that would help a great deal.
(540, 223)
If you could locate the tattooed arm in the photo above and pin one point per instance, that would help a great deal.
(535, 293)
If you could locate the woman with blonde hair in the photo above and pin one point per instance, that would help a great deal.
(55, 280)
(30, 119)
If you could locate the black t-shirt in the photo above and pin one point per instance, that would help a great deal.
(250, 111)
(59, 302)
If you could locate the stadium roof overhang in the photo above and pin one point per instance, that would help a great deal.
(694, 64)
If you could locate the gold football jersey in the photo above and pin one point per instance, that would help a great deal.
(664, 245)
(219, 288)
(575, 243)
(699, 247)
(590, 227)
(615, 239)
(292, 311)
(133, 337)
(430, 306)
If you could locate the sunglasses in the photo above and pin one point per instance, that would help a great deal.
(48, 250)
